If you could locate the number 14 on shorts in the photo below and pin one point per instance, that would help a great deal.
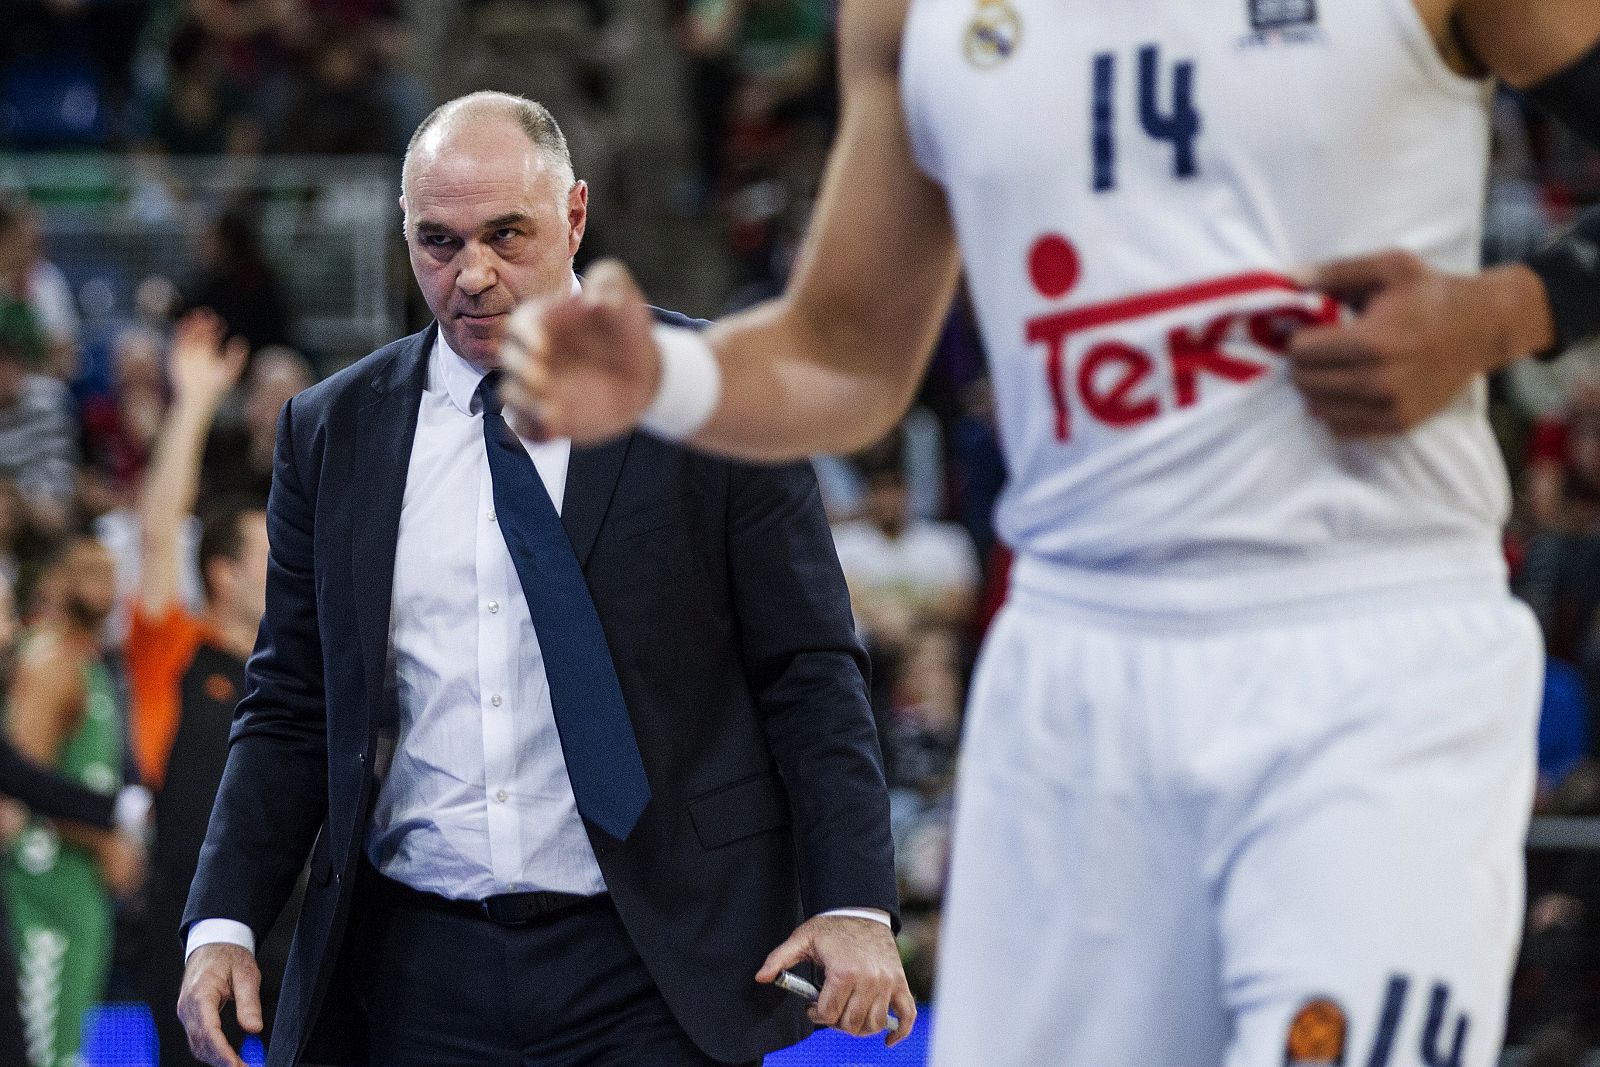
(1318, 1031)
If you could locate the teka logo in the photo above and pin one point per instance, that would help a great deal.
(1127, 361)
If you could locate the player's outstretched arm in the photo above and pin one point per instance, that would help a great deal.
(828, 367)
(1419, 335)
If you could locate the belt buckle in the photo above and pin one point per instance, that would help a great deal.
(490, 912)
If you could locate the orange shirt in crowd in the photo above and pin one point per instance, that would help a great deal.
(159, 651)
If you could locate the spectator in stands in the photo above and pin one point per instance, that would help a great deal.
(13, 528)
(236, 281)
(1563, 479)
(1560, 577)
(339, 108)
(904, 572)
(120, 428)
(380, 26)
(36, 308)
(62, 713)
(238, 458)
(22, 782)
(38, 439)
(202, 112)
(757, 62)
(255, 40)
(186, 671)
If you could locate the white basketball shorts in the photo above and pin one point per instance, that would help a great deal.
(1266, 845)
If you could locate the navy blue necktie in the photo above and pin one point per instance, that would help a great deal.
(597, 739)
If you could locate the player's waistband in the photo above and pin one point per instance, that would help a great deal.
(1362, 579)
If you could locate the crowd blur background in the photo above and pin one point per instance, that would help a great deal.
(159, 156)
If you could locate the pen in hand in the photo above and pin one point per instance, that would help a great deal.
(790, 982)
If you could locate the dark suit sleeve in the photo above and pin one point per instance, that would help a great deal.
(274, 791)
(808, 673)
(50, 795)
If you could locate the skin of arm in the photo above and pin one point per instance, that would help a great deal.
(203, 371)
(831, 365)
(1420, 335)
(47, 704)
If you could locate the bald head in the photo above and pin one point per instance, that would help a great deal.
(466, 115)
(493, 216)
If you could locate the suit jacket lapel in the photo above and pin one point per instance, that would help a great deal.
(385, 427)
(591, 480)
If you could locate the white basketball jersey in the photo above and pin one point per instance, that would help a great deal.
(1134, 184)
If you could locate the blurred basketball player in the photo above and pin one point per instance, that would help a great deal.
(1249, 761)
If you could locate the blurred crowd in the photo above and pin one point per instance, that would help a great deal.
(135, 456)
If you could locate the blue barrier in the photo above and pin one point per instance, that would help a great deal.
(124, 1035)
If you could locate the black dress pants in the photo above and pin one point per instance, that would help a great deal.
(565, 990)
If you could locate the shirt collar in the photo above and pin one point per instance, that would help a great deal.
(458, 377)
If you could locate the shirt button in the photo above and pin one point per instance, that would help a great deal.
(500, 796)
(491, 514)
(494, 607)
(495, 700)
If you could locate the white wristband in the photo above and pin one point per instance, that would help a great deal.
(691, 384)
(132, 813)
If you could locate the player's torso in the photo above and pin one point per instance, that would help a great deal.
(1133, 184)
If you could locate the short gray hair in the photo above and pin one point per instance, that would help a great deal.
(533, 118)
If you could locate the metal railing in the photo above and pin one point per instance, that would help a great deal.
(327, 225)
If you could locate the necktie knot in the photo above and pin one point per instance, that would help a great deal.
(488, 392)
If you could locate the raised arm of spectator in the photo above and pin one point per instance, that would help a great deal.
(203, 368)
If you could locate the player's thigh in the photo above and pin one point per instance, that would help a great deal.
(1076, 926)
(1372, 915)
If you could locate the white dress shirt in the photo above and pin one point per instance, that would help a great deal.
(476, 800)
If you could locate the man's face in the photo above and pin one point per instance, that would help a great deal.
(251, 595)
(239, 586)
(489, 224)
(90, 585)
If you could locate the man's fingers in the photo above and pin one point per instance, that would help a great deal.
(794, 951)
(1347, 345)
(836, 991)
(247, 996)
(201, 1013)
(905, 1011)
(863, 1012)
(1354, 280)
(609, 282)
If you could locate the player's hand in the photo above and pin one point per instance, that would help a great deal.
(585, 366)
(862, 972)
(216, 974)
(204, 366)
(1417, 338)
(122, 862)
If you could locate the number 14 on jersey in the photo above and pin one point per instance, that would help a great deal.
(1175, 121)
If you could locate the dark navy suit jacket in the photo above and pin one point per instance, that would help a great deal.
(729, 623)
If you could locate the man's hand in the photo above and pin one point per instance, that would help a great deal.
(585, 366)
(215, 974)
(121, 859)
(202, 366)
(1417, 339)
(862, 972)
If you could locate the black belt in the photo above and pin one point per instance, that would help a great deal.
(507, 909)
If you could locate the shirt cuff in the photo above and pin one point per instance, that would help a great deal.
(220, 932)
(849, 913)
